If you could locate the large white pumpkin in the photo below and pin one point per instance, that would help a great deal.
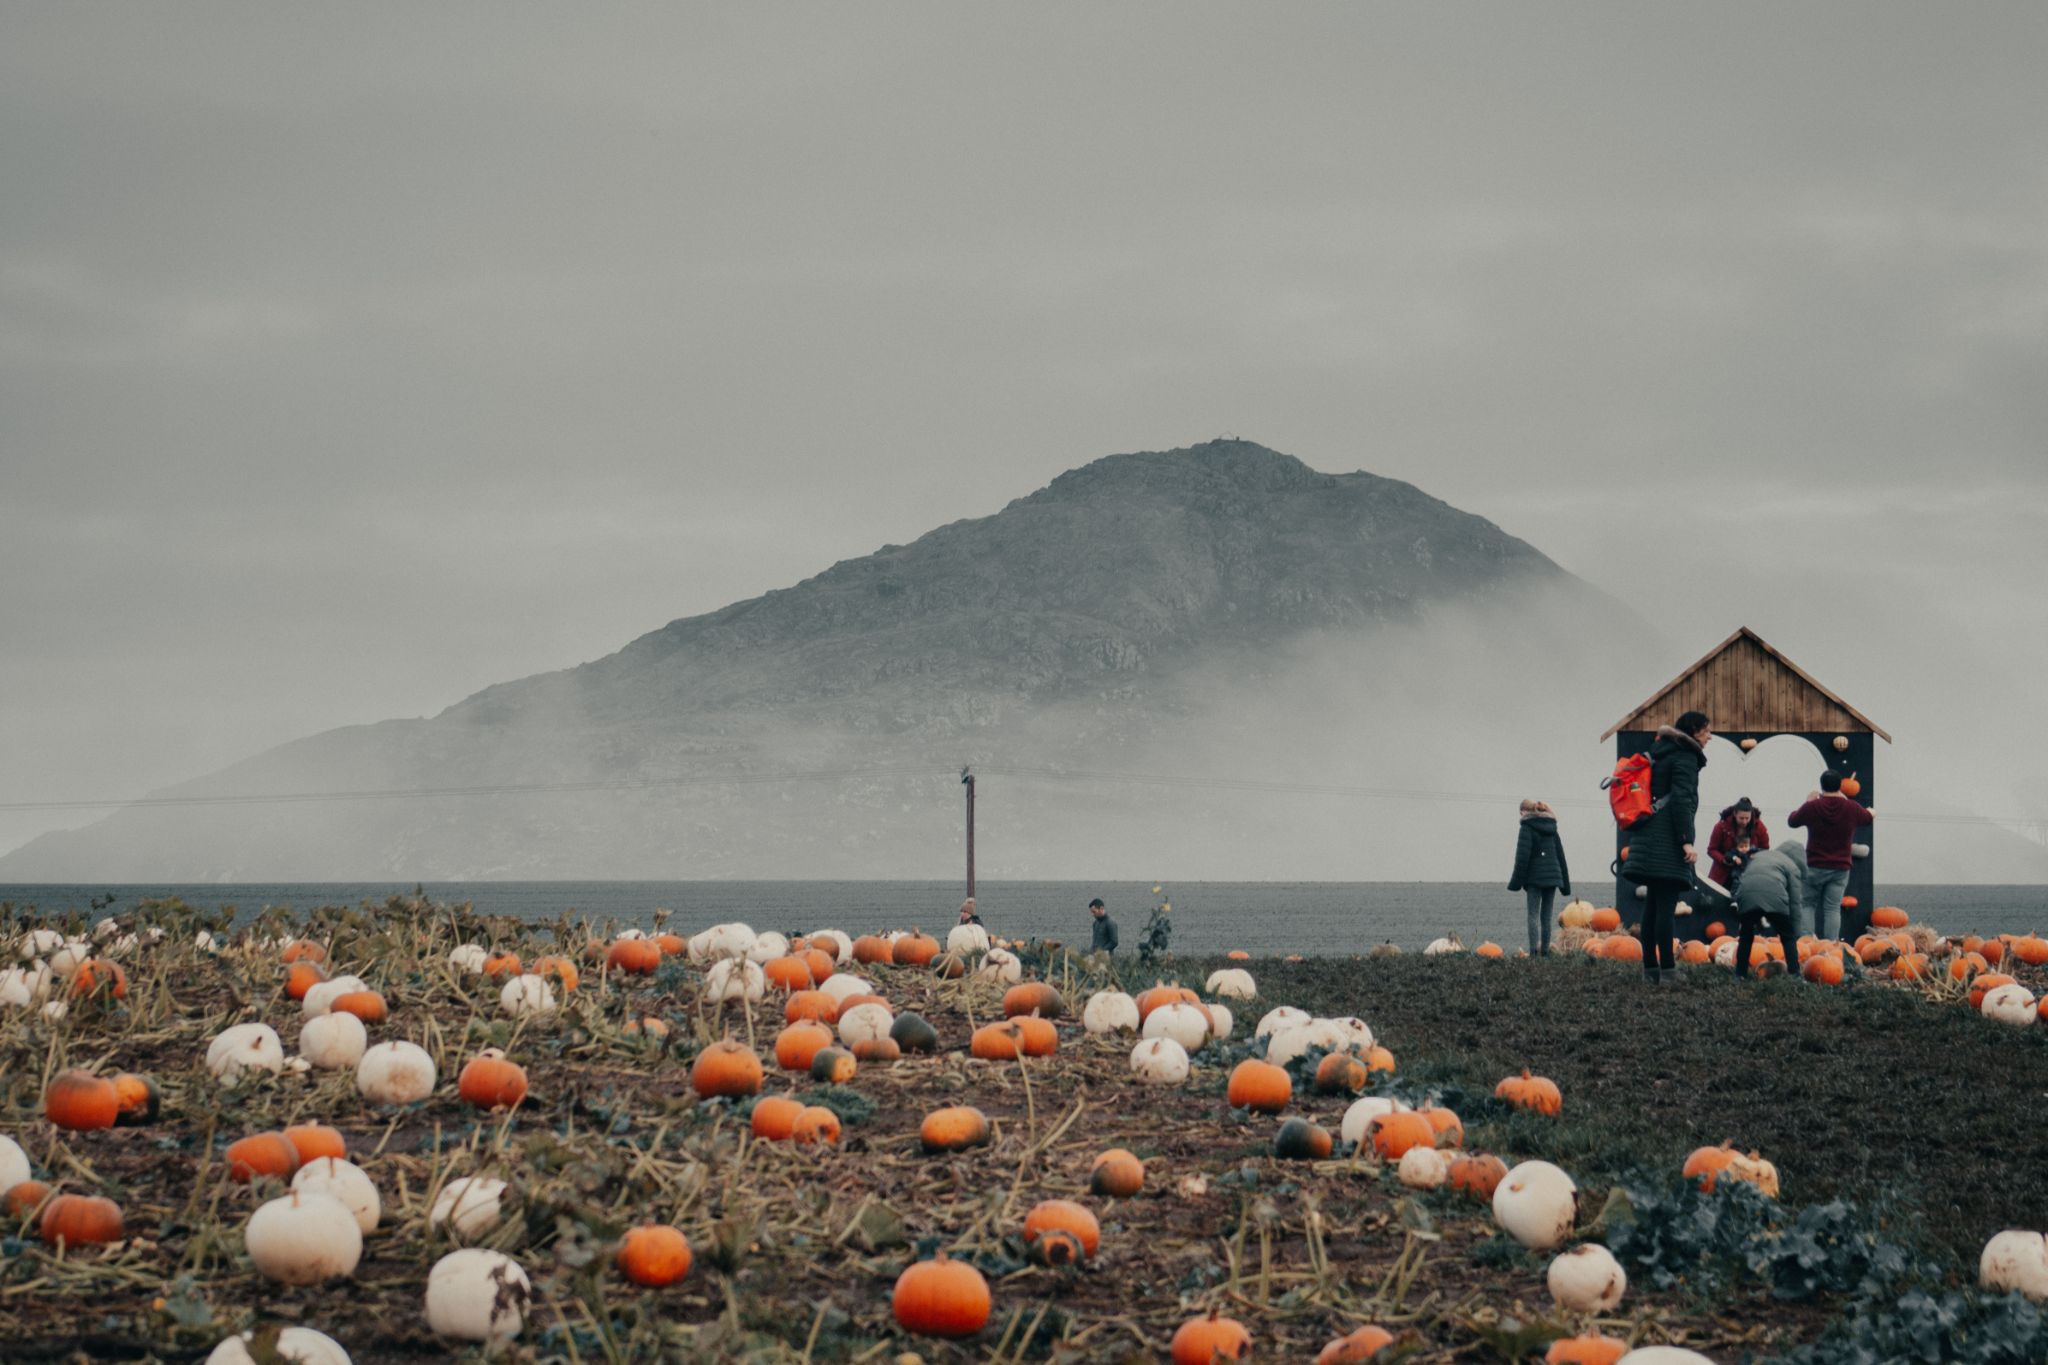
(66, 961)
(1285, 1016)
(1000, 964)
(1221, 1021)
(1536, 1204)
(527, 995)
(1232, 983)
(1362, 1112)
(468, 957)
(767, 947)
(1161, 1061)
(735, 978)
(244, 1050)
(302, 1345)
(1439, 947)
(869, 1023)
(334, 1042)
(1290, 1043)
(21, 987)
(1186, 1024)
(1109, 1012)
(2015, 1260)
(728, 940)
(303, 1239)
(843, 986)
(472, 1205)
(2013, 1004)
(967, 940)
(13, 1164)
(1352, 1032)
(1587, 1279)
(396, 1073)
(37, 943)
(477, 1295)
(320, 999)
(347, 1184)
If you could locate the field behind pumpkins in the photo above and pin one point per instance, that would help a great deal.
(1904, 1126)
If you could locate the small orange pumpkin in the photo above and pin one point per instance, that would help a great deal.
(877, 1050)
(80, 1220)
(138, 1098)
(774, 1117)
(1362, 1344)
(1117, 1174)
(1379, 1059)
(916, 950)
(1265, 1088)
(821, 963)
(1393, 1134)
(1300, 1140)
(303, 950)
(367, 1006)
(303, 977)
(1449, 1129)
(941, 1298)
(98, 974)
(1591, 1349)
(492, 1081)
(1341, 1073)
(654, 1255)
(81, 1101)
(788, 973)
(1041, 1038)
(816, 1006)
(499, 966)
(953, 1129)
(1538, 1094)
(798, 1045)
(1606, 920)
(1032, 997)
(670, 944)
(997, 1042)
(1206, 1341)
(259, 1154)
(1056, 1216)
(24, 1199)
(727, 1069)
(815, 1124)
(561, 969)
(633, 957)
(1823, 969)
(1478, 1175)
(1889, 917)
(833, 1066)
(315, 1140)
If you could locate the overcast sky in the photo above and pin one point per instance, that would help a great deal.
(352, 359)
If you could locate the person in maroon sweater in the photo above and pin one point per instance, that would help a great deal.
(1830, 820)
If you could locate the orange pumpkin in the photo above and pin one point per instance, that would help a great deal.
(941, 1298)
(874, 950)
(1450, 1131)
(833, 1066)
(726, 1069)
(499, 966)
(1888, 917)
(2031, 950)
(1606, 920)
(1300, 1140)
(815, 1006)
(1379, 1059)
(953, 1129)
(1962, 968)
(850, 1001)
(303, 977)
(788, 973)
(1339, 1073)
(1040, 1037)
(1032, 997)
(81, 1101)
(1117, 1174)
(1206, 1341)
(821, 963)
(997, 1042)
(774, 1117)
(1986, 983)
(561, 969)
(1852, 787)
(633, 957)
(916, 950)
(1909, 967)
(1695, 953)
(654, 1255)
(649, 1025)
(1361, 1344)
(1478, 1175)
(1489, 950)
(80, 1220)
(1823, 969)
(492, 1081)
(798, 1045)
(1537, 1093)
(367, 1006)
(1623, 948)
(1056, 1229)
(24, 1199)
(1393, 1134)
(877, 1050)
(137, 1096)
(671, 944)
(98, 974)
(1265, 1088)
(1163, 994)
(815, 1124)
(259, 1154)
(303, 950)
(315, 1140)
(1591, 1349)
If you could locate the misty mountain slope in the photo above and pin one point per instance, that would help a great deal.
(1139, 610)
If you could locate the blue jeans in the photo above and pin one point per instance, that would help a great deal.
(1824, 888)
(1540, 899)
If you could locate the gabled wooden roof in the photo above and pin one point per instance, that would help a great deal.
(1747, 687)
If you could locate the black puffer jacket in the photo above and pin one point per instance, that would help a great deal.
(1656, 847)
(1539, 857)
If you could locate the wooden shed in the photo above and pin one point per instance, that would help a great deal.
(1751, 692)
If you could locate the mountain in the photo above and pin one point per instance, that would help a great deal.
(1225, 603)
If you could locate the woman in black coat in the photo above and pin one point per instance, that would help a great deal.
(1661, 853)
(1540, 870)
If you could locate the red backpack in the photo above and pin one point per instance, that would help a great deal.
(1628, 791)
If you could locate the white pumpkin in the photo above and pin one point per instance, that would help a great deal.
(869, 1023)
(205, 942)
(320, 999)
(2013, 1260)
(967, 940)
(335, 1041)
(2013, 1004)
(472, 1205)
(13, 1164)
(396, 1073)
(833, 941)
(244, 1050)
(843, 986)
(53, 1010)
(66, 961)
(527, 995)
(735, 978)
(1352, 1032)
(1232, 983)
(21, 987)
(1439, 947)
(38, 943)
(1576, 915)
(767, 947)
(1290, 1043)
(1160, 1061)
(1286, 1016)
(1110, 1012)
(303, 1238)
(347, 1184)
(1536, 1204)
(1423, 1168)
(1724, 956)
(630, 933)
(468, 957)
(1362, 1112)
(1000, 964)
(1587, 1279)
(722, 941)
(1186, 1024)
(1663, 1355)
(1221, 1022)
(105, 929)
(477, 1295)
(300, 1344)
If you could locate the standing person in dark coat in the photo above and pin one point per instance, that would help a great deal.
(1661, 852)
(1739, 835)
(1104, 940)
(1540, 870)
(1830, 820)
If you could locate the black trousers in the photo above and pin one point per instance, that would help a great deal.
(1781, 925)
(1659, 923)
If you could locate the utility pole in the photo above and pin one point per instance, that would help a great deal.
(967, 780)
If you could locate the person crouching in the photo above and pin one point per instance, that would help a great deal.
(1771, 893)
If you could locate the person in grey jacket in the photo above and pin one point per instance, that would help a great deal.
(1772, 891)
(1540, 870)
(1104, 940)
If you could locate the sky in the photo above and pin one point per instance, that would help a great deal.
(354, 358)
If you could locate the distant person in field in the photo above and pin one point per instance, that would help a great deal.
(1661, 853)
(1104, 940)
(1830, 820)
(1772, 892)
(1540, 870)
(968, 914)
(1739, 835)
